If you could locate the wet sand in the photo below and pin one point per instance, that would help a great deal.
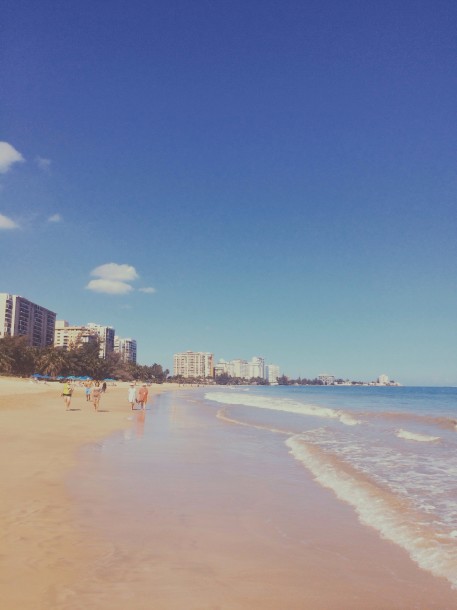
(178, 510)
(199, 514)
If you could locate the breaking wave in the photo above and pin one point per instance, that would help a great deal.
(283, 404)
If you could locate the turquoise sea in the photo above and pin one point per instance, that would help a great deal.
(389, 452)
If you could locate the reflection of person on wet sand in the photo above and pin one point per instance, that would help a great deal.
(96, 393)
(132, 395)
(139, 423)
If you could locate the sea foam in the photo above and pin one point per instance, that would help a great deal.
(281, 404)
(413, 436)
(380, 510)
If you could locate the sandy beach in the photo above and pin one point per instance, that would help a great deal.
(41, 551)
(176, 509)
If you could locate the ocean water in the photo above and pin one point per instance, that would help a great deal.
(390, 453)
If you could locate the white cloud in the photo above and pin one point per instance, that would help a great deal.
(113, 271)
(148, 290)
(109, 286)
(55, 218)
(43, 163)
(7, 223)
(8, 156)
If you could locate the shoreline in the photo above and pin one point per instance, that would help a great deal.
(206, 515)
(42, 551)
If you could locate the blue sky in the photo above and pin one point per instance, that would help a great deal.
(244, 177)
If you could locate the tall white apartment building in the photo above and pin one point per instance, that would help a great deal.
(272, 373)
(126, 348)
(193, 364)
(106, 335)
(257, 367)
(70, 337)
(383, 380)
(240, 368)
(21, 317)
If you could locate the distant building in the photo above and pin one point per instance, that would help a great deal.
(240, 368)
(70, 337)
(126, 348)
(106, 335)
(193, 364)
(326, 379)
(19, 317)
(256, 367)
(383, 380)
(272, 373)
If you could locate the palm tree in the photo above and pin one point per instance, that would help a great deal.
(52, 361)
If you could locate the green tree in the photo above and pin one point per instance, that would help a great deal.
(52, 361)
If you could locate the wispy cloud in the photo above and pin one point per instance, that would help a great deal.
(8, 156)
(114, 271)
(109, 286)
(43, 163)
(7, 223)
(147, 290)
(55, 218)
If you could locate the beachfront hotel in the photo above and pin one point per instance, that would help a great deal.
(245, 369)
(19, 317)
(106, 335)
(69, 337)
(193, 364)
(272, 373)
(126, 348)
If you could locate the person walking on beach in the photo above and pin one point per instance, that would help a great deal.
(96, 393)
(132, 395)
(67, 393)
(104, 387)
(88, 390)
(143, 396)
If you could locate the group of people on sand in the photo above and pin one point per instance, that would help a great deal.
(139, 397)
(93, 392)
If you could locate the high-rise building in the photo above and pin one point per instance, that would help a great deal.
(126, 348)
(193, 364)
(70, 337)
(106, 335)
(257, 367)
(272, 373)
(21, 317)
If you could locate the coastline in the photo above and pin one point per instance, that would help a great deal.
(42, 551)
(183, 510)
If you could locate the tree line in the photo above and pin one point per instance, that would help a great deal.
(17, 358)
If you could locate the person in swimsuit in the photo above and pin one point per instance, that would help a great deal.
(67, 393)
(88, 390)
(96, 393)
